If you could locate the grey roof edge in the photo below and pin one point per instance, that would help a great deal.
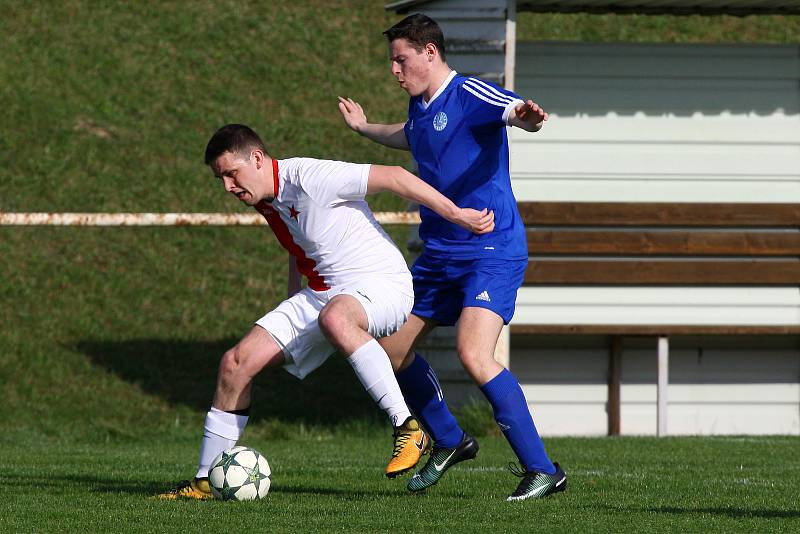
(674, 7)
(404, 6)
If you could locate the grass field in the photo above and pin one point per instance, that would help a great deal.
(335, 484)
(109, 338)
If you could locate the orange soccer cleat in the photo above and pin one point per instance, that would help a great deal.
(410, 443)
(197, 488)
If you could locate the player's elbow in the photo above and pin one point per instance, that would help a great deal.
(398, 173)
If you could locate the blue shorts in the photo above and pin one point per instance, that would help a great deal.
(443, 287)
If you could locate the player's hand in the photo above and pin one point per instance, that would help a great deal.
(477, 222)
(531, 113)
(353, 114)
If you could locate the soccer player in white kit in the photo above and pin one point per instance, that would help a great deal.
(359, 287)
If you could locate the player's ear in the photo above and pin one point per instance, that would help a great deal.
(258, 157)
(430, 51)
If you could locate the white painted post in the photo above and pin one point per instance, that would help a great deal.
(663, 382)
(502, 351)
(511, 44)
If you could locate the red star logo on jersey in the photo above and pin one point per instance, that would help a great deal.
(293, 213)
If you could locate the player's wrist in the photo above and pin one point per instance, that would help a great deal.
(454, 214)
(361, 128)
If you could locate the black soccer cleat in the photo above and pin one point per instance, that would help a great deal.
(537, 485)
(441, 460)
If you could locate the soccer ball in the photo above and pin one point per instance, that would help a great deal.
(239, 474)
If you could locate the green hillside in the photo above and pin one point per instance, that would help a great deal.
(110, 337)
(106, 332)
(115, 334)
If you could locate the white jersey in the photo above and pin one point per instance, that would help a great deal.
(320, 216)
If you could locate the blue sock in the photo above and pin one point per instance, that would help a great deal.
(422, 392)
(514, 419)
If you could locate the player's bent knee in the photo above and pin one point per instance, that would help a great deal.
(469, 358)
(326, 320)
(231, 368)
(401, 361)
(227, 364)
(333, 321)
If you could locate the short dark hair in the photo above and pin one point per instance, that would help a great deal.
(234, 138)
(418, 30)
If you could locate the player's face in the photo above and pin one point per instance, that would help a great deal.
(241, 176)
(411, 67)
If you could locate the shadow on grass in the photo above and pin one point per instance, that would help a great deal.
(152, 488)
(737, 513)
(91, 483)
(184, 373)
(354, 494)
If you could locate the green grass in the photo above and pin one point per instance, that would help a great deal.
(110, 338)
(109, 110)
(128, 325)
(113, 102)
(336, 484)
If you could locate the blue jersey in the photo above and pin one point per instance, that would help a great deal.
(460, 144)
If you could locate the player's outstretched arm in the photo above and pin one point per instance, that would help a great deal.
(528, 116)
(402, 183)
(391, 135)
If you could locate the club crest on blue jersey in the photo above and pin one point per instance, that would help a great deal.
(440, 121)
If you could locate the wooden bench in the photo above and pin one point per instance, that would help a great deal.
(623, 246)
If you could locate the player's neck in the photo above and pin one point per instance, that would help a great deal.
(270, 179)
(438, 77)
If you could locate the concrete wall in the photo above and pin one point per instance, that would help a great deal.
(718, 385)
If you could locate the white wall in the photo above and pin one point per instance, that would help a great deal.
(745, 390)
(554, 305)
(661, 123)
(632, 122)
(657, 123)
(717, 385)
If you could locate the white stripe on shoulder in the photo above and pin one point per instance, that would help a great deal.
(489, 89)
(485, 98)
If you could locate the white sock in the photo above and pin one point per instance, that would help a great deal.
(221, 431)
(372, 367)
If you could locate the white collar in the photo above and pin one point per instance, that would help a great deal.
(442, 87)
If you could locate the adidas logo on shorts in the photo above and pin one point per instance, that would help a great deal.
(484, 296)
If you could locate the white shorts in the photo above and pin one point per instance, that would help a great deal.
(294, 326)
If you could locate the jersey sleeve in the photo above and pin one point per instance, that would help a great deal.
(331, 182)
(486, 104)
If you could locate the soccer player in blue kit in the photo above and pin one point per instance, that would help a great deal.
(456, 131)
